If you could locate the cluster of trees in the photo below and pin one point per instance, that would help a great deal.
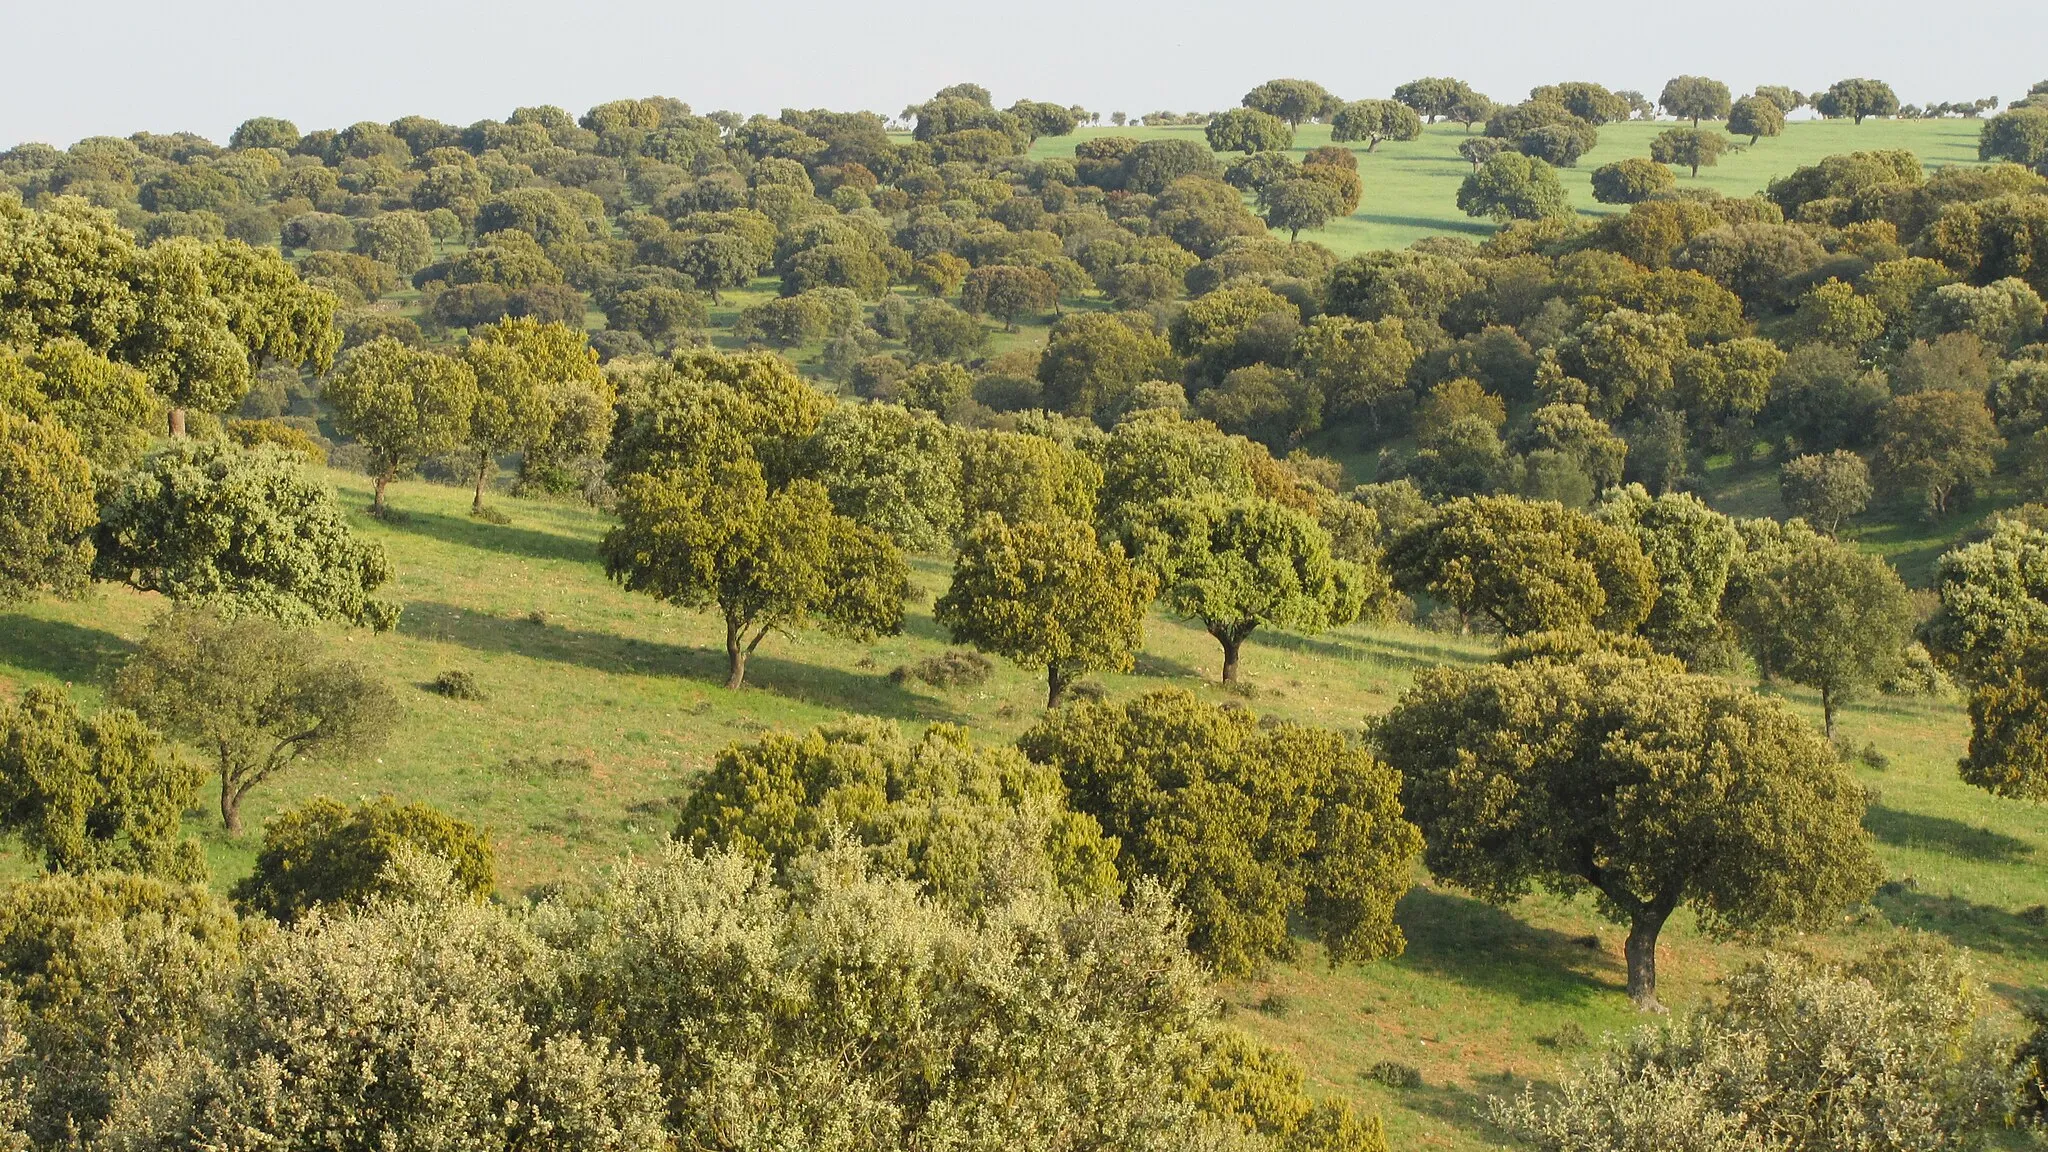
(741, 487)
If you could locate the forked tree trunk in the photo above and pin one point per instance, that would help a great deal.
(1231, 637)
(735, 656)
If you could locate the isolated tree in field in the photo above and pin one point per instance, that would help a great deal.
(1373, 121)
(1473, 109)
(1526, 566)
(46, 509)
(1694, 98)
(1588, 101)
(1993, 603)
(403, 404)
(94, 794)
(1932, 444)
(1248, 130)
(718, 261)
(1291, 100)
(1655, 788)
(1821, 614)
(712, 534)
(1047, 595)
(1007, 291)
(1688, 148)
(324, 852)
(1856, 99)
(1250, 824)
(1511, 186)
(527, 373)
(1300, 202)
(1825, 488)
(1434, 97)
(1630, 181)
(1238, 565)
(1756, 117)
(255, 695)
(245, 527)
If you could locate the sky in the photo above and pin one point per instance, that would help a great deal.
(112, 67)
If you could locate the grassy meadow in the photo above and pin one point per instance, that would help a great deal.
(602, 706)
(1411, 188)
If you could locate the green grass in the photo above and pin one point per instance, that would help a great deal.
(628, 693)
(1411, 188)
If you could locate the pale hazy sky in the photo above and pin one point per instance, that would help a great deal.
(74, 69)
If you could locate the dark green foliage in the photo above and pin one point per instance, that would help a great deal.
(971, 824)
(208, 521)
(1250, 823)
(325, 852)
(87, 794)
(1652, 787)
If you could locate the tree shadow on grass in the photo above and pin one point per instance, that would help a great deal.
(1465, 1108)
(1433, 223)
(823, 686)
(1374, 650)
(1981, 927)
(68, 652)
(1479, 945)
(465, 532)
(1940, 834)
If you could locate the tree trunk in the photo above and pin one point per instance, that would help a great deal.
(483, 473)
(177, 423)
(1231, 644)
(230, 807)
(1055, 686)
(377, 505)
(735, 657)
(1827, 712)
(1695, 171)
(1641, 950)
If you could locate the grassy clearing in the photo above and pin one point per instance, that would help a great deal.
(601, 706)
(1411, 188)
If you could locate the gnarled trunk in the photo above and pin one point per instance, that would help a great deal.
(230, 806)
(1056, 681)
(377, 504)
(177, 423)
(1231, 637)
(1641, 951)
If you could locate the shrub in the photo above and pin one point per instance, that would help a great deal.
(326, 852)
(1891, 1053)
(954, 668)
(1395, 1074)
(456, 684)
(250, 433)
